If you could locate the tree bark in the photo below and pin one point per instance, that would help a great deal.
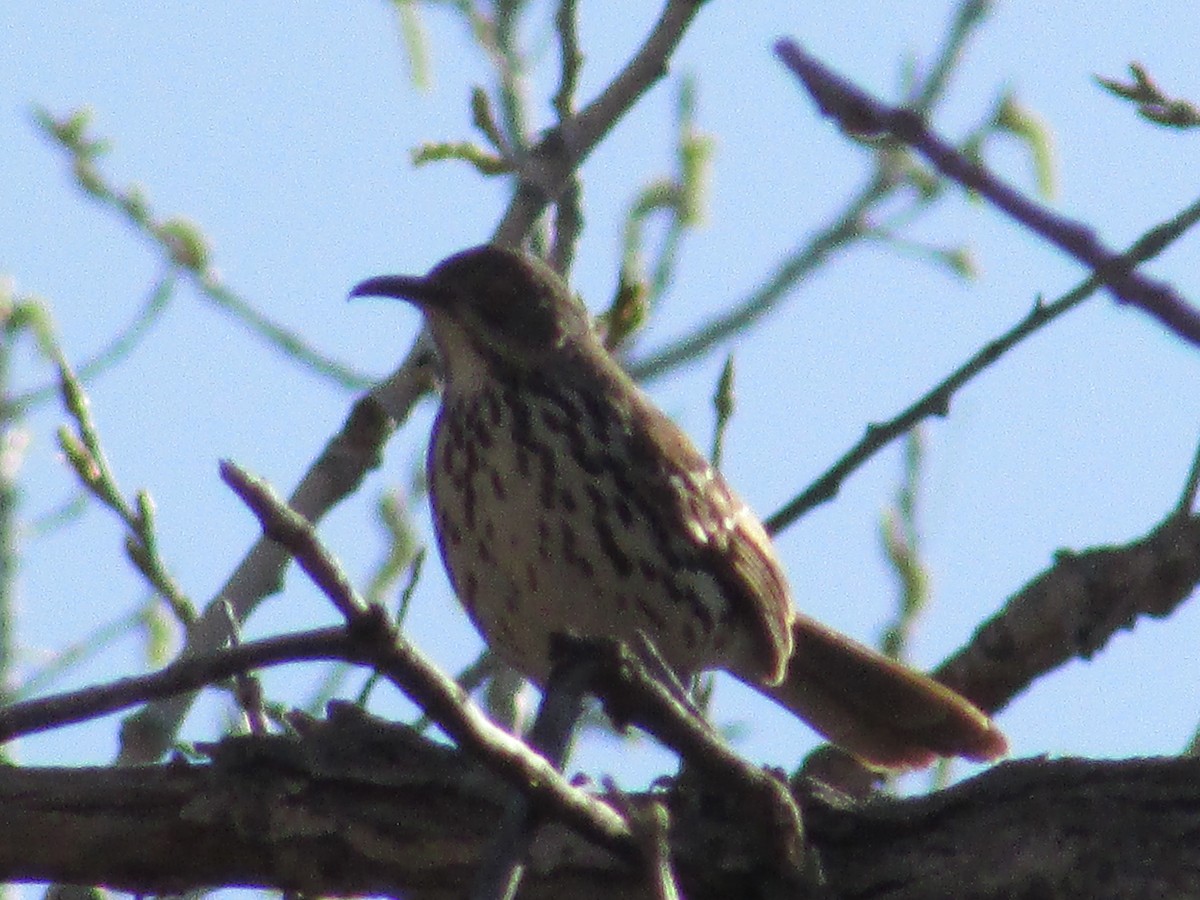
(360, 807)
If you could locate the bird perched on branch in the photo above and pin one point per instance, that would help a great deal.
(565, 502)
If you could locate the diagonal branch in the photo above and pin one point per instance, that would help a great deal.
(335, 474)
(1073, 609)
(860, 113)
(845, 227)
(549, 165)
(936, 402)
(377, 642)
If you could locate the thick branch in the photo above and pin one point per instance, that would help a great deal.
(1073, 609)
(359, 807)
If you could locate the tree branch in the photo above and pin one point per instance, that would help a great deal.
(182, 676)
(360, 807)
(1073, 609)
(335, 474)
(375, 641)
(859, 113)
(548, 166)
(936, 401)
(848, 225)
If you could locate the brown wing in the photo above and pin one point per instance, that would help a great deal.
(714, 531)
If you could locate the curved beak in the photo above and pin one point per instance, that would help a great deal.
(416, 289)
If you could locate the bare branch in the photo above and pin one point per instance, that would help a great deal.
(290, 814)
(1072, 610)
(859, 113)
(336, 473)
(548, 166)
(186, 674)
(936, 402)
(377, 642)
(844, 227)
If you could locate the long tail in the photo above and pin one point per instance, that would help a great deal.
(876, 708)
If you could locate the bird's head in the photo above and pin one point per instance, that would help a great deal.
(491, 305)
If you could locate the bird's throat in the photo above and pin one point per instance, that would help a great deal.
(467, 369)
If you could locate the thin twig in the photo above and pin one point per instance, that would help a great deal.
(849, 224)
(286, 526)
(723, 404)
(968, 18)
(548, 166)
(834, 237)
(901, 539)
(95, 642)
(335, 474)
(568, 207)
(189, 674)
(181, 244)
(84, 452)
(1188, 496)
(936, 402)
(11, 448)
(1153, 103)
(118, 348)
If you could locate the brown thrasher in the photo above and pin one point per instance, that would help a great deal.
(566, 502)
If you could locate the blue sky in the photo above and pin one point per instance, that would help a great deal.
(283, 131)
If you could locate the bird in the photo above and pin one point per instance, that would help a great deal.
(565, 502)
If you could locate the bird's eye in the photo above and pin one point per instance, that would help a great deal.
(512, 297)
(521, 314)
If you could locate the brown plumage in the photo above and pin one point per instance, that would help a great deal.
(566, 502)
